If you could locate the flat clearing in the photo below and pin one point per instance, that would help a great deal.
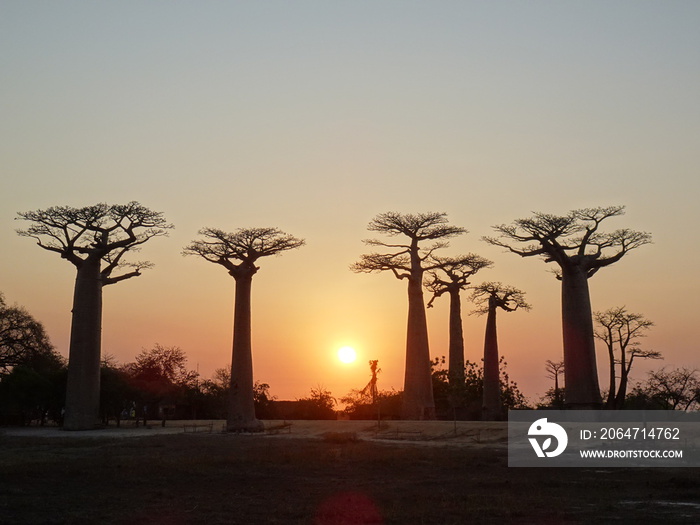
(444, 432)
(322, 472)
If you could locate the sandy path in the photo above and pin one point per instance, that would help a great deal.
(426, 432)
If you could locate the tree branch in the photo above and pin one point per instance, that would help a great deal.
(93, 231)
(245, 245)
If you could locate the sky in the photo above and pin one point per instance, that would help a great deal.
(314, 117)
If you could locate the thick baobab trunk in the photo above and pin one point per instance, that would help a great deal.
(580, 370)
(83, 386)
(491, 404)
(241, 406)
(456, 344)
(418, 402)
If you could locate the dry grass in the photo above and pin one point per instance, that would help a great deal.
(341, 479)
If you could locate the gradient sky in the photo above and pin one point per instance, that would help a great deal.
(315, 116)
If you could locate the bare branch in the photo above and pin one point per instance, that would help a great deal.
(245, 245)
(399, 264)
(570, 240)
(420, 226)
(136, 271)
(407, 262)
(456, 272)
(505, 297)
(553, 369)
(618, 327)
(95, 232)
(375, 242)
(119, 278)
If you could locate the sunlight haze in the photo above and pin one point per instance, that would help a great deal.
(314, 117)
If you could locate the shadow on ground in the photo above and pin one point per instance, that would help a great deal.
(328, 474)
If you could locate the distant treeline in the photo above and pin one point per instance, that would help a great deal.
(157, 385)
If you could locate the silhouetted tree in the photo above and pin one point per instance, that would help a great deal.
(677, 389)
(95, 240)
(263, 400)
(511, 397)
(238, 253)
(386, 404)
(620, 329)
(117, 391)
(490, 297)
(365, 401)
(160, 377)
(166, 363)
(576, 245)
(32, 373)
(554, 370)
(553, 399)
(451, 277)
(25, 395)
(319, 405)
(159, 371)
(215, 391)
(409, 260)
(22, 338)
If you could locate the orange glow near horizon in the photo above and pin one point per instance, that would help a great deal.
(233, 127)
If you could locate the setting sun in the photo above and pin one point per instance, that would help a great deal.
(347, 354)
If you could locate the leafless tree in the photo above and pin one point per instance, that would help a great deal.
(451, 277)
(620, 330)
(238, 253)
(554, 370)
(95, 240)
(677, 389)
(579, 249)
(409, 260)
(489, 297)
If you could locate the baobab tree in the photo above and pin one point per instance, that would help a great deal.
(489, 297)
(238, 253)
(620, 330)
(95, 240)
(452, 276)
(554, 370)
(576, 245)
(409, 260)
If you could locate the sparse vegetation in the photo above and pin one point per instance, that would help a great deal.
(224, 478)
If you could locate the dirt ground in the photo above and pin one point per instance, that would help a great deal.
(320, 473)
